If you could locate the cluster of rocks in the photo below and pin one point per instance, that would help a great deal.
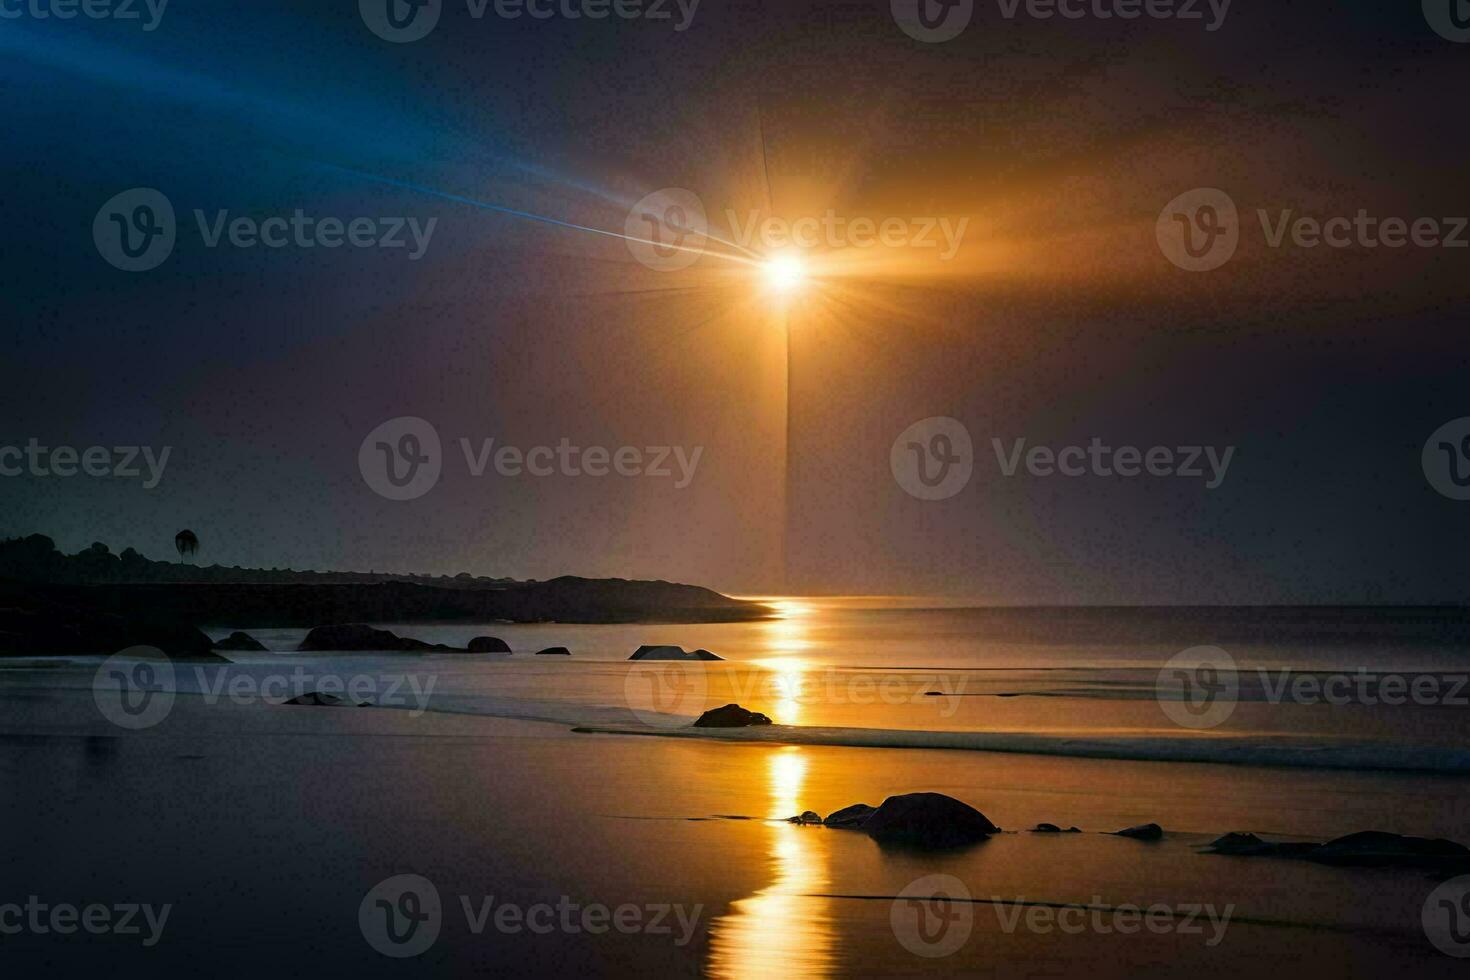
(920, 820)
(933, 820)
(357, 638)
(666, 652)
(1365, 849)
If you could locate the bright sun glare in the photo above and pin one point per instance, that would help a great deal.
(785, 273)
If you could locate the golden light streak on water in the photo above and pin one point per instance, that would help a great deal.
(777, 932)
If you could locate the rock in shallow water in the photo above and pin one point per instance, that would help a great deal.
(850, 817)
(354, 636)
(927, 820)
(1368, 848)
(667, 652)
(731, 716)
(315, 699)
(1051, 828)
(488, 644)
(1371, 848)
(554, 652)
(240, 641)
(1144, 831)
(807, 817)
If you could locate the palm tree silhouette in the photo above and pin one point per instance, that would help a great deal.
(187, 543)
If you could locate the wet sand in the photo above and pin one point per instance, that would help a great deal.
(266, 826)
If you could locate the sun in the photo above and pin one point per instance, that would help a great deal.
(785, 273)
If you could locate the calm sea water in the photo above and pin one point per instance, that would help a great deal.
(1354, 688)
(266, 826)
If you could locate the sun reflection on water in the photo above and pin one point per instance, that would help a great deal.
(777, 932)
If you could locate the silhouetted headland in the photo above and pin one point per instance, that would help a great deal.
(95, 601)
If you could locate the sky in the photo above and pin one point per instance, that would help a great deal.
(1029, 170)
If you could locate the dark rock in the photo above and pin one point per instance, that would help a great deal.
(646, 652)
(1046, 828)
(807, 817)
(850, 817)
(731, 716)
(1144, 831)
(554, 652)
(488, 644)
(927, 820)
(1374, 848)
(316, 699)
(1366, 849)
(1239, 843)
(241, 642)
(35, 624)
(358, 637)
(1249, 845)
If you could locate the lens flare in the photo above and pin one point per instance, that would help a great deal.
(785, 273)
